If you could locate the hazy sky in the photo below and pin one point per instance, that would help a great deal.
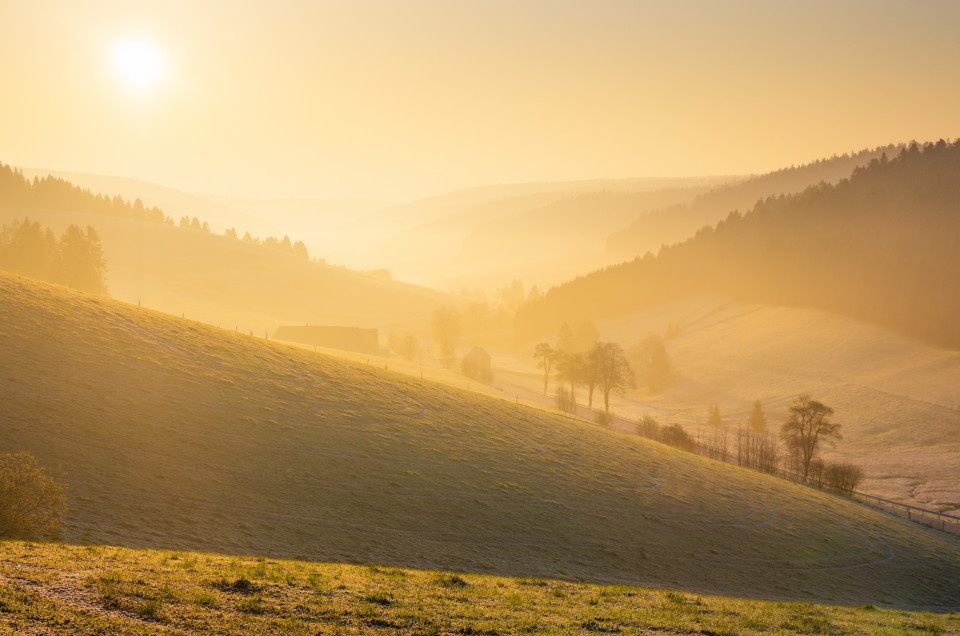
(395, 99)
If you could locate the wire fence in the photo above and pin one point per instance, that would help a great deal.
(938, 520)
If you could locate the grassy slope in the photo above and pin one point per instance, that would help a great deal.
(179, 435)
(223, 281)
(82, 590)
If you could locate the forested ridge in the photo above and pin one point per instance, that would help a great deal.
(675, 223)
(881, 246)
(53, 193)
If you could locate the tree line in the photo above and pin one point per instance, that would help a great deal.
(882, 246)
(52, 192)
(75, 259)
(583, 360)
(796, 454)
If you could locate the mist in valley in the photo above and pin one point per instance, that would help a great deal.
(560, 295)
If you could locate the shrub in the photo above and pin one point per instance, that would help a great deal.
(32, 498)
(676, 436)
(648, 427)
(842, 478)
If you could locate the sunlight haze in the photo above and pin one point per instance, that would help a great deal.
(479, 317)
(396, 100)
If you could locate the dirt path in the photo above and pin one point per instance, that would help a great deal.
(69, 591)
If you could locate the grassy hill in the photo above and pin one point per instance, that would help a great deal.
(179, 435)
(96, 589)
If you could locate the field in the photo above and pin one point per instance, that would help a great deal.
(178, 435)
(97, 589)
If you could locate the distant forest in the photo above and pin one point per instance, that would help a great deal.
(76, 259)
(52, 193)
(676, 223)
(882, 246)
(58, 194)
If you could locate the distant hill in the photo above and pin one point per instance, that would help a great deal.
(185, 268)
(172, 202)
(880, 246)
(539, 232)
(185, 436)
(671, 224)
(227, 281)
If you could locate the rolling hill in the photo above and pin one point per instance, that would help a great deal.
(880, 247)
(677, 222)
(219, 280)
(179, 435)
(487, 236)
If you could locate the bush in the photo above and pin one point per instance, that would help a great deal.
(603, 419)
(842, 478)
(648, 427)
(677, 436)
(32, 499)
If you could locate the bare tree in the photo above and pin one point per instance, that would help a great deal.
(806, 427)
(612, 370)
(545, 355)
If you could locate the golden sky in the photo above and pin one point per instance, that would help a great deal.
(394, 99)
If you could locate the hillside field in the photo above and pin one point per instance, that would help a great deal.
(178, 435)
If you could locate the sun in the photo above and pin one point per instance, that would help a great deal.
(138, 62)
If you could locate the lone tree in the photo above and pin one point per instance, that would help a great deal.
(476, 365)
(758, 421)
(806, 427)
(32, 499)
(545, 355)
(446, 330)
(612, 370)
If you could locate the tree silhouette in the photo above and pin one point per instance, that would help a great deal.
(75, 260)
(545, 355)
(612, 370)
(81, 260)
(806, 427)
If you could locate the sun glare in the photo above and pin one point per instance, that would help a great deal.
(139, 63)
